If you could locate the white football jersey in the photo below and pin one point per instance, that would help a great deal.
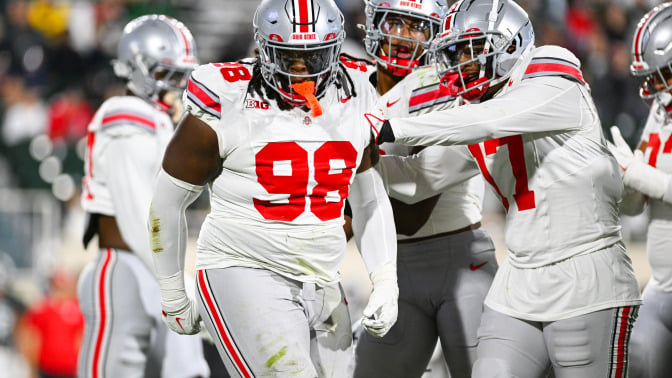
(125, 144)
(446, 170)
(658, 136)
(278, 202)
(540, 146)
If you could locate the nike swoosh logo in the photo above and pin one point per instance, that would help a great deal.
(180, 324)
(474, 267)
(344, 100)
(392, 103)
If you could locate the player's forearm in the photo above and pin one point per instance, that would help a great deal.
(372, 220)
(534, 108)
(167, 223)
(648, 180)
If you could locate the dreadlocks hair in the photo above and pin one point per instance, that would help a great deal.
(260, 88)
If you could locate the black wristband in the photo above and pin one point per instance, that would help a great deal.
(386, 134)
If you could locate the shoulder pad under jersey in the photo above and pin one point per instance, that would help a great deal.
(419, 92)
(355, 63)
(214, 87)
(551, 60)
(124, 114)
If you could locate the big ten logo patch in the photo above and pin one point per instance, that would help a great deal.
(254, 104)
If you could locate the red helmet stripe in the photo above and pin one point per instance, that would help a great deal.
(305, 9)
(640, 29)
(179, 28)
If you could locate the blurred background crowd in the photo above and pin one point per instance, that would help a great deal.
(55, 71)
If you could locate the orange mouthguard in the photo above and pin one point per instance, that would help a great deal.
(307, 90)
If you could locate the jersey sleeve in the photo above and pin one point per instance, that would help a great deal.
(130, 180)
(212, 93)
(540, 99)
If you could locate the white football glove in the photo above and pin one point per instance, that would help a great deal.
(620, 149)
(636, 173)
(381, 312)
(179, 311)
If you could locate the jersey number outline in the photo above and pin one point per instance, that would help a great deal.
(295, 185)
(523, 196)
(654, 143)
(233, 72)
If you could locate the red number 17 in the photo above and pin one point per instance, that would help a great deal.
(654, 143)
(523, 196)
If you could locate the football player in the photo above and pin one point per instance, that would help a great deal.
(445, 260)
(118, 292)
(566, 296)
(646, 174)
(281, 141)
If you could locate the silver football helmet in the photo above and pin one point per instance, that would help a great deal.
(489, 34)
(652, 54)
(309, 32)
(385, 21)
(155, 53)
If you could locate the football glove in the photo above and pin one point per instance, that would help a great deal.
(620, 149)
(381, 312)
(636, 173)
(180, 313)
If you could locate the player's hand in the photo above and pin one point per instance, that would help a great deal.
(620, 149)
(179, 311)
(185, 320)
(381, 312)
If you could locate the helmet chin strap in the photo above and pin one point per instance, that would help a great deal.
(397, 71)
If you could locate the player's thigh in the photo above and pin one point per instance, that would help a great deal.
(509, 347)
(403, 352)
(651, 339)
(459, 315)
(591, 345)
(257, 320)
(117, 331)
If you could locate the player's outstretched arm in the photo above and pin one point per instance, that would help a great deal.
(375, 235)
(636, 173)
(190, 161)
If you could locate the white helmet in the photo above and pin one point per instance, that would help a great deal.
(287, 30)
(155, 53)
(427, 13)
(652, 54)
(495, 32)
